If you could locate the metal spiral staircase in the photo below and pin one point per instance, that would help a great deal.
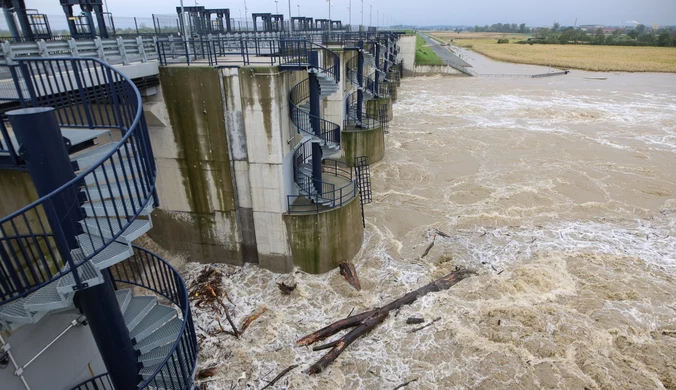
(80, 235)
(357, 114)
(321, 179)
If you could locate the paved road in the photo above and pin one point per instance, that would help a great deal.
(444, 53)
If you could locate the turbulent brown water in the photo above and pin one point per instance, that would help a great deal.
(560, 192)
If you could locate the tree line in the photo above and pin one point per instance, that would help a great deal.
(638, 36)
(641, 35)
(504, 28)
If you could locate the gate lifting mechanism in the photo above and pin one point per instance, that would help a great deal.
(200, 21)
(82, 26)
(271, 22)
(33, 25)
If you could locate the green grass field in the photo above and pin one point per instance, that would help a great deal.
(424, 55)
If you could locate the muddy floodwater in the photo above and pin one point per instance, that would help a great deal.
(560, 192)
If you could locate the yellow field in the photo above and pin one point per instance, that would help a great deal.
(585, 57)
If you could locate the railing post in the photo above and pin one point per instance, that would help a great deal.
(142, 49)
(122, 50)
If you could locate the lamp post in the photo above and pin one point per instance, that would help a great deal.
(362, 13)
(298, 5)
(276, 6)
(371, 15)
(290, 24)
(329, 15)
(349, 9)
(246, 17)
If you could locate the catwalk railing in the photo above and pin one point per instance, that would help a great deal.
(87, 94)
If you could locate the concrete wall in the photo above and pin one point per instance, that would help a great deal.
(320, 242)
(198, 212)
(407, 53)
(70, 360)
(358, 142)
(433, 70)
(373, 107)
(270, 139)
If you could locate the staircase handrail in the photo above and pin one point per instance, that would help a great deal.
(33, 219)
(167, 282)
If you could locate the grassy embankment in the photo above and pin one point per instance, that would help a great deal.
(585, 57)
(424, 55)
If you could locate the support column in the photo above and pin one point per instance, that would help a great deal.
(68, 10)
(103, 28)
(315, 121)
(20, 10)
(47, 159)
(11, 24)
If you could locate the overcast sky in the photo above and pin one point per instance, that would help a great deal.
(422, 12)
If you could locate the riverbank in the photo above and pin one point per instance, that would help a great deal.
(582, 57)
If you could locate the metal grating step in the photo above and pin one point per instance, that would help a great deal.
(158, 316)
(109, 256)
(166, 334)
(88, 274)
(117, 189)
(169, 377)
(116, 173)
(108, 228)
(157, 355)
(102, 209)
(47, 298)
(15, 312)
(123, 298)
(137, 309)
(80, 136)
(92, 156)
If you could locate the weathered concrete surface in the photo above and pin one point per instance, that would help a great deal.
(407, 53)
(320, 242)
(269, 139)
(16, 191)
(198, 214)
(393, 90)
(360, 142)
(373, 107)
(433, 70)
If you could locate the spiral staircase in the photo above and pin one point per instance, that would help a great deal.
(113, 191)
(323, 181)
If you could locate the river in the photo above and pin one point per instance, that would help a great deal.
(560, 192)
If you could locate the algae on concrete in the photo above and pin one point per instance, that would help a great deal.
(320, 242)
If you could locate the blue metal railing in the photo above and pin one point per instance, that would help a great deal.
(151, 272)
(330, 197)
(302, 119)
(87, 93)
(216, 51)
(99, 382)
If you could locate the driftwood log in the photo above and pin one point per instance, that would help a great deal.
(364, 322)
(350, 274)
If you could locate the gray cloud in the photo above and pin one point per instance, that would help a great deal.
(423, 12)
